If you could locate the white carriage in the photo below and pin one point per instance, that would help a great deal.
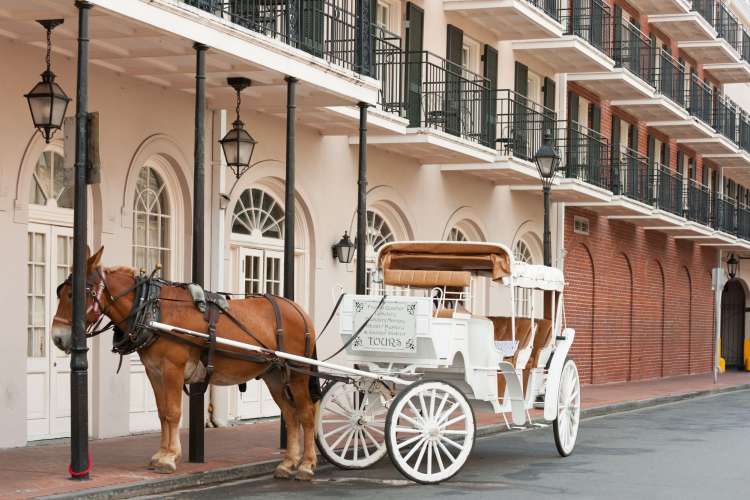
(425, 363)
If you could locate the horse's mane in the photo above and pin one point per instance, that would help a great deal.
(121, 269)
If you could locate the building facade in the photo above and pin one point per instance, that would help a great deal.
(461, 93)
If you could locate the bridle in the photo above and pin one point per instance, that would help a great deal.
(96, 286)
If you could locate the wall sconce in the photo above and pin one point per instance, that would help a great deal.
(344, 249)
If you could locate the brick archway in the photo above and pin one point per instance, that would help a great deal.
(613, 338)
(648, 338)
(579, 271)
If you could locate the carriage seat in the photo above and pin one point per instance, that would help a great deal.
(524, 337)
(543, 340)
(446, 280)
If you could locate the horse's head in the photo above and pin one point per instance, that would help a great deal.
(63, 321)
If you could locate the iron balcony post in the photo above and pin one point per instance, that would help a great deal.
(361, 282)
(79, 425)
(547, 235)
(196, 408)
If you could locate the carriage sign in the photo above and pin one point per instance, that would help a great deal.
(391, 329)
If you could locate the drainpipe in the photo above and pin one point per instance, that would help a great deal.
(218, 409)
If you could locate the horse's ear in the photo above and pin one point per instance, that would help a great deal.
(88, 252)
(94, 261)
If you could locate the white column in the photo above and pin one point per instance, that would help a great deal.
(219, 396)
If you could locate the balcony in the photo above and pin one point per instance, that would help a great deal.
(668, 102)
(698, 100)
(586, 44)
(723, 118)
(519, 132)
(448, 112)
(512, 19)
(653, 7)
(695, 25)
(633, 75)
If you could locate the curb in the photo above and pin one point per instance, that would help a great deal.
(254, 470)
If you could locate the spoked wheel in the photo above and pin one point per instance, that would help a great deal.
(430, 431)
(350, 428)
(568, 409)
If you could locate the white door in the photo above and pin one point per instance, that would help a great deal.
(260, 272)
(49, 261)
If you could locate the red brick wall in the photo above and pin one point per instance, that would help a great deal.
(640, 301)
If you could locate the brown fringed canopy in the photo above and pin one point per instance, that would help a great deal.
(493, 259)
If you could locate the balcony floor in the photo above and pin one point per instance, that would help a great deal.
(571, 55)
(505, 171)
(617, 84)
(692, 128)
(686, 27)
(344, 120)
(507, 19)
(571, 191)
(738, 72)
(740, 159)
(431, 146)
(717, 51)
(715, 145)
(655, 109)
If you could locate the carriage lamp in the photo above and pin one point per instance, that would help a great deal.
(47, 100)
(733, 265)
(237, 144)
(344, 249)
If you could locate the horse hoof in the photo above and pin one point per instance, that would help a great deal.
(165, 467)
(305, 474)
(282, 472)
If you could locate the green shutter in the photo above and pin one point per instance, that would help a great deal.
(489, 105)
(522, 146)
(572, 107)
(413, 69)
(311, 32)
(618, 53)
(453, 95)
(522, 79)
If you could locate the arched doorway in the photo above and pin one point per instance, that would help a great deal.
(733, 324)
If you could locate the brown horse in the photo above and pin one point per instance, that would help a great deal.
(171, 363)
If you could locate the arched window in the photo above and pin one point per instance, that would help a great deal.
(151, 222)
(49, 187)
(258, 214)
(378, 233)
(522, 253)
(457, 235)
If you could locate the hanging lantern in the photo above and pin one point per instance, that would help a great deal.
(733, 265)
(344, 249)
(47, 100)
(547, 158)
(237, 144)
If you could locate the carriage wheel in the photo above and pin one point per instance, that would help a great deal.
(568, 409)
(430, 431)
(350, 428)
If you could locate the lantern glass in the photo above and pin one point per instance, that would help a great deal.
(344, 249)
(547, 160)
(732, 266)
(238, 147)
(48, 104)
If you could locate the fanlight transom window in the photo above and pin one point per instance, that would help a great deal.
(49, 186)
(457, 235)
(258, 214)
(378, 233)
(151, 222)
(522, 253)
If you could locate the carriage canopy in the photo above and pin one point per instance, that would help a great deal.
(448, 263)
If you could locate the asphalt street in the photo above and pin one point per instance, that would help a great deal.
(696, 449)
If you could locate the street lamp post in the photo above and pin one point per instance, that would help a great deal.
(547, 160)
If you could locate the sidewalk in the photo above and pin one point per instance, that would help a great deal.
(251, 450)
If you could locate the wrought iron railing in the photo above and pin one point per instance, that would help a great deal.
(670, 77)
(333, 30)
(668, 194)
(743, 222)
(435, 93)
(698, 202)
(631, 176)
(745, 41)
(725, 117)
(743, 132)
(590, 20)
(724, 214)
(388, 71)
(521, 125)
(728, 27)
(585, 155)
(632, 51)
(701, 100)
(550, 7)
(707, 9)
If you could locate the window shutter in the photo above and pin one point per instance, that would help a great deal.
(489, 104)
(312, 20)
(453, 94)
(618, 52)
(651, 150)
(413, 69)
(522, 79)
(572, 107)
(596, 117)
(454, 51)
(615, 136)
(549, 93)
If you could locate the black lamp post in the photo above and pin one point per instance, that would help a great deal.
(344, 249)
(237, 144)
(47, 100)
(547, 160)
(733, 265)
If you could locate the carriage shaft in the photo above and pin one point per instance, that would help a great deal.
(280, 354)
